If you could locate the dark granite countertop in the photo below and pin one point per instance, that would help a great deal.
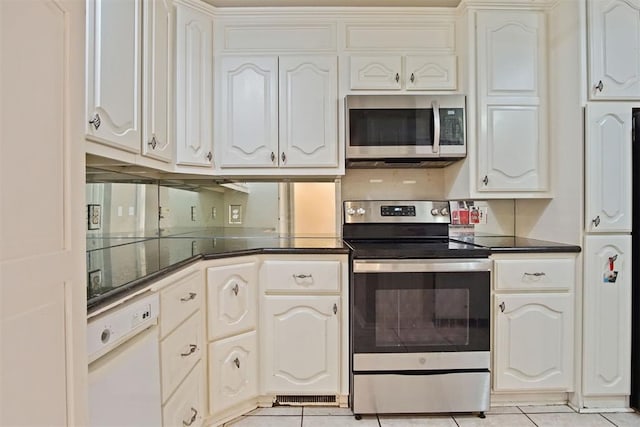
(124, 266)
(515, 244)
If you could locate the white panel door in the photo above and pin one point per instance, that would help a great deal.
(232, 299)
(249, 112)
(194, 87)
(608, 167)
(534, 342)
(376, 72)
(233, 371)
(512, 122)
(614, 49)
(308, 111)
(114, 43)
(43, 364)
(157, 55)
(607, 316)
(425, 72)
(300, 344)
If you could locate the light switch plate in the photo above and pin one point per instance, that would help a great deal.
(235, 214)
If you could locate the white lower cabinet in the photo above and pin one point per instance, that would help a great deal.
(533, 310)
(300, 336)
(607, 316)
(534, 341)
(233, 371)
(187, 408)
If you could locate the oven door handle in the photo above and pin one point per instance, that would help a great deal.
(447, 265)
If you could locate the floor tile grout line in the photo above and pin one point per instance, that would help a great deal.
(530, 419)
(604, 416)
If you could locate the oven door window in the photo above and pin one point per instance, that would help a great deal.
(390, 127)
(421, 312)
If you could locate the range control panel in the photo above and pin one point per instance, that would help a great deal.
(387, 211)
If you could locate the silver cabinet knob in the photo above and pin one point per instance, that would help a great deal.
(502, 306)
(236, 362)
(95, 121)
(335, 308)
(412, 78)
(273, 157)
(599, 86)
(397, 77)
(596, 221)
(485, 180)
(235, 289)
(153, 143)
(209, 156)
(283, 157)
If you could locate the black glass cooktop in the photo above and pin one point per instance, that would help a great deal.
(415, 249)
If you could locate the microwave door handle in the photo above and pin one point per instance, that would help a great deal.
(436, 126)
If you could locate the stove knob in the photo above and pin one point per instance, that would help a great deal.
(444, 212)
(361, 211)
(435, 212)
(351, 211)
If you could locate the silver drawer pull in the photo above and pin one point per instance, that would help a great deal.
(191, 296)
(192, 349)
(236, 362)
(536, 274)
(194, 415)
(302, 276)
(235, 289)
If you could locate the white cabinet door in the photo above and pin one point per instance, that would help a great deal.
(376, 72)
(194, 87)
(308, 98)
(534, 342)
(607, 316)
(113, 73)
(425, 72)
(43, 303)
(614, 49)
(300, 344)
(512, 121)
(233, 371)
(187, 406)
(232, 299)
(608, 167)
(249, 112)
(157, 99)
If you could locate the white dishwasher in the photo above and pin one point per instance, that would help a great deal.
(124, 366)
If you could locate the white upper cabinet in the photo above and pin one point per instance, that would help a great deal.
(308, 111)
(420, 72)
(158, 78)
(114, 74)
(278, 112)
(194, 87)
(608, 167)
(249, 111)
(614, 49)
(512, 154)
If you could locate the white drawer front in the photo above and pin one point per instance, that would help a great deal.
(558, 274)
(187, 406)
(179, 301)
(311, 276)
(233, 371)
(179, 352)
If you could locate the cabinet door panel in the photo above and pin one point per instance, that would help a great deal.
(608, 168)
(376, 72)
(232, 299)
(534, 342)
(614, 49)
(512, 102)
(607, 316)
(308, 111)
(300, 344)
(187, 405)
(158, 80)
(249, 111)
(430, 72)
(194, 92)
(233, 372)
(114, 73)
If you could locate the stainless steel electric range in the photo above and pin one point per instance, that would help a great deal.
(419, 311)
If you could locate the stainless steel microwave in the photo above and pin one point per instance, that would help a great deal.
(407, 129)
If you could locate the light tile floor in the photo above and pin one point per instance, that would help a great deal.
(509, 416)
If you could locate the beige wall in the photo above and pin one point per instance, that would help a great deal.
(314, 210)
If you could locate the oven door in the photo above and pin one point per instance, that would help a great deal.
(420, 306)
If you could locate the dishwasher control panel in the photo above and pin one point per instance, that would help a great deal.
(114, 327)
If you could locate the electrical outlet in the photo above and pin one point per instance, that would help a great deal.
(94, 219)
(235, 214)
(214, 212)
(193, 213)
(95, 280)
